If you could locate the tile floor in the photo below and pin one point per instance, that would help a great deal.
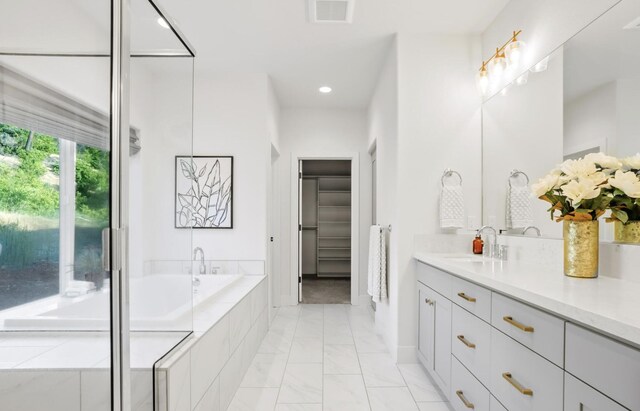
(328, 357)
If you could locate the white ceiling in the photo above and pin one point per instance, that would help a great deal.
(273, 36)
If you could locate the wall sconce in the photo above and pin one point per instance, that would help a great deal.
(505, 57)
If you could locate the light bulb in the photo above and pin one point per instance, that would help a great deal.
(505, 90)
(498, 64)
(515, 50)
(541, 66)
(325, 89)
(482, 80)
(523, 79)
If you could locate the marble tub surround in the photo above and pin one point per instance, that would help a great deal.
(608, 305)
(205, 372)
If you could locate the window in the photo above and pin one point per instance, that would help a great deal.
(54, 203)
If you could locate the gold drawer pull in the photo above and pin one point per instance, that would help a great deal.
(525, 391)
(464, 400)
(466, 297)
(466, 342)
(518, 325)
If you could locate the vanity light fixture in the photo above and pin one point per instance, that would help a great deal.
(541, 66)
(523, 79)
(506, 57)
(163, 23)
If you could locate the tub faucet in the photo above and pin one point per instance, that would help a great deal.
(531, 227)
(493, 243)
(203, 266)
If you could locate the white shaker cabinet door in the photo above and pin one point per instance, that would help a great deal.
(426, 325)
(442, 358)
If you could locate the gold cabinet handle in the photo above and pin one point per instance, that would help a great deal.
(466, 342)
(466, 297)
(524, 391)
(464, 400)
(428, 301)
(518, 325)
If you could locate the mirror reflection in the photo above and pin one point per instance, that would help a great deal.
(586, 101)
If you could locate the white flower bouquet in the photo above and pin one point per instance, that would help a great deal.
(579, 190)
(625, 191)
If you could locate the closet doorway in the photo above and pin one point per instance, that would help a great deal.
(324, 231)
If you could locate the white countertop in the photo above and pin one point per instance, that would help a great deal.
(605, 304)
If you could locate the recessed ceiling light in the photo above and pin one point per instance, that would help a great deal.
(163, 23)
(325, 89)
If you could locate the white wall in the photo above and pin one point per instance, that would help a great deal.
(438, 127)
(545, 25)
(383, 131)
(321, 133)
(232, 118)
(523, 130)
(627, 118)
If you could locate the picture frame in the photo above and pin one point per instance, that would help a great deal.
(203, 192)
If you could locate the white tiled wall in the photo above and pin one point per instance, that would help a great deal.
(207, 372)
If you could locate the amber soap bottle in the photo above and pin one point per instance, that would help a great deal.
(478, 244)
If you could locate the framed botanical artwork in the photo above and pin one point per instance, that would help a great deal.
(204, 192)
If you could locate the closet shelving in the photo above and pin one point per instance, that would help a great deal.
(333, 213)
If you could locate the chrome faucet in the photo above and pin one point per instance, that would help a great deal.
(203, 266)
(532, 227)
(491, 250)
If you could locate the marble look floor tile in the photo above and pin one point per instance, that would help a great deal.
(420, 384)
(369, 343)
(40, 391)
(309, 328)
(266, 370)
(298, 407)
(379, 370)
(341, 359)
(306, 350)
(254, 399)
(344, 392)
(434, 406)
(32, 339)
(83, 353)
(17, 355)
(337, 334)
(391, 399)
(302, 383)
(275, 343)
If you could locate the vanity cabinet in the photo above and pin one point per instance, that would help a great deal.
(434, 338)
(487, 351)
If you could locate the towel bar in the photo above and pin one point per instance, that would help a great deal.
(516, 173)
(448, 173)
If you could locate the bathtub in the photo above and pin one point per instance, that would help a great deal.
(157, 302)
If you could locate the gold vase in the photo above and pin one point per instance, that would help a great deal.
(581, 248)
(627, 233)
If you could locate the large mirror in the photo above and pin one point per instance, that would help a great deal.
(583, 98)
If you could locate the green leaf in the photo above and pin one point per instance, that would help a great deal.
(620, 215)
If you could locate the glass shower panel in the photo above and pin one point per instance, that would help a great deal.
(55, 187)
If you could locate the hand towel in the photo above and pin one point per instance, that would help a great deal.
(518, 211)
(451, 207)
(377, 273)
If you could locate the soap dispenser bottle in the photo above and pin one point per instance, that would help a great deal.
(478, 244)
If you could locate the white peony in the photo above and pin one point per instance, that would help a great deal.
(578, 168)
(603, 160)
(632, 163)
(597, 179)
(628, 182)
(544, 185)
(579, 190)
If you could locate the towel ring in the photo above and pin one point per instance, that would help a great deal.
(448, 173)
(515, 173)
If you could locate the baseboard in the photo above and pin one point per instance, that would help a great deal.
(407, 354)
(364, 299)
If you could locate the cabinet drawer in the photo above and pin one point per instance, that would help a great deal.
(466, 392)
(609, 366)
(434, 278)
(471, 343)
(541, 332)
(471, 297)
(495, 405)
(521, 379)
(578, 396)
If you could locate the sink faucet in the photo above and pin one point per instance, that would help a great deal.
(531, 227)
(493, 241)
(203, 267)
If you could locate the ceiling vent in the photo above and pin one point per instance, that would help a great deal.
(634, 25)
(331, 11)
